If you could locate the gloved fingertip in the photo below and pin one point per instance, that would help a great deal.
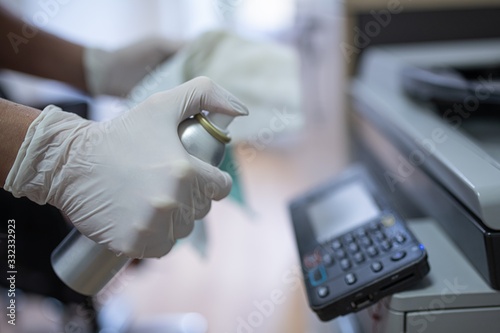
(224, 188)
(237, 106)
(214, 98)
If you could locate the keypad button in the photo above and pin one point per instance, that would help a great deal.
(372, 251)
(322, 291)
(318, 275)
(400, 238)
(374, 226)
(388, 220)
(376, 266)
(345, 264)
(327, 260)
(361, 233)
(359, 257)
(311, 260)
(340, 253)
(353, 247)
(350, 278)
(336, 244)
(379, 236)
(385, 245)
(365, 241)
(398, 255)
(348, 238)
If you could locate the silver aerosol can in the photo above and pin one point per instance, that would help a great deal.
(86, 266)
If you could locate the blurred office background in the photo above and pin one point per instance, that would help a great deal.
(248, 281)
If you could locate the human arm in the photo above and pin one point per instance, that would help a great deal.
(15, 120)
(40, 53)
(92, 70)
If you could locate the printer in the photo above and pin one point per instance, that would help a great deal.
(441, 163)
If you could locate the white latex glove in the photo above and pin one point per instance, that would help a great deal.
(117, 72)
(128, 182)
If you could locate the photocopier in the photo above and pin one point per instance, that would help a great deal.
(425, 117)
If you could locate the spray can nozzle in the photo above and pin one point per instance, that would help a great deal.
(212, 124)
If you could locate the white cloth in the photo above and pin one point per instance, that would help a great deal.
(265, 76)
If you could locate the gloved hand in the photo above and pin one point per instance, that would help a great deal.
(128, 182)
(117, 72)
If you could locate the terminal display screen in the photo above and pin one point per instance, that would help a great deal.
(338, 211)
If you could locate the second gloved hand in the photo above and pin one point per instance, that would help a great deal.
(127, 183)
